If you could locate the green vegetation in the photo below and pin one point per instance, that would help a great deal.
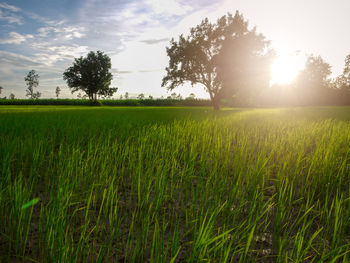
(104, 184)
(122, 102)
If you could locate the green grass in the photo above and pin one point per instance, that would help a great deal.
(107, 184)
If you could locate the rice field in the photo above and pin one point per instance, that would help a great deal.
(162, 184)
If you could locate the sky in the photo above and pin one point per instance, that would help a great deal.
(46, 35)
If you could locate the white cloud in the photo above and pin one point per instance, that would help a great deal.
(140, 56)
(9, 16)
(14, 60)
(44, 31)
(50, 54)
(62, 31)
(9, 7)
(15, 38)
(169, 7)
(133, 33)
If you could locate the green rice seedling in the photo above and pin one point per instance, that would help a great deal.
(174, 184)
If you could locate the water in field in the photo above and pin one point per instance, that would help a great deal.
(162, 184)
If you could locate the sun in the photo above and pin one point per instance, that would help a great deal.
(285, 68)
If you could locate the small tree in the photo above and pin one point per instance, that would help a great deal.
(32, 81)
(150, 97)
(126, 96)
(141, 96)
(1, 88)
(91, 75)
(192, 96)
(12, 96)
(58, 90)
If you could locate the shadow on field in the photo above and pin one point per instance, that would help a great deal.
(124, 121)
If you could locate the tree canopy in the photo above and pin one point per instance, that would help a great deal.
(91, 75)
(313, 82)
(345, 77)
(315, 74)
(222, 56)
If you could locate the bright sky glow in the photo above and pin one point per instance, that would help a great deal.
(48, 35)
(285, 68)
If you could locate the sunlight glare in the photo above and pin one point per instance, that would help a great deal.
(285, 68)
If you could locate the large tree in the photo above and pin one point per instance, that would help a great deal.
(32, 81)
(220, 56)
(91, 75)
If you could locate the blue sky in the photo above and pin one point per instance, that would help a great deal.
(47, 35)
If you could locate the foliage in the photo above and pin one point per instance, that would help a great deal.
(202, 56)
(315, 75)
(243, 65)
(95, 103)
(91, 75)
(342, 82)
(45, 102)
(32, 81)
(12, 96)
(313, 81)
(346, 72)
(174, 185)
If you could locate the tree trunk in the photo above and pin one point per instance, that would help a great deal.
(214, 98)
(216, 103)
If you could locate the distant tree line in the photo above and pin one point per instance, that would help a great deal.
(110, 102)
